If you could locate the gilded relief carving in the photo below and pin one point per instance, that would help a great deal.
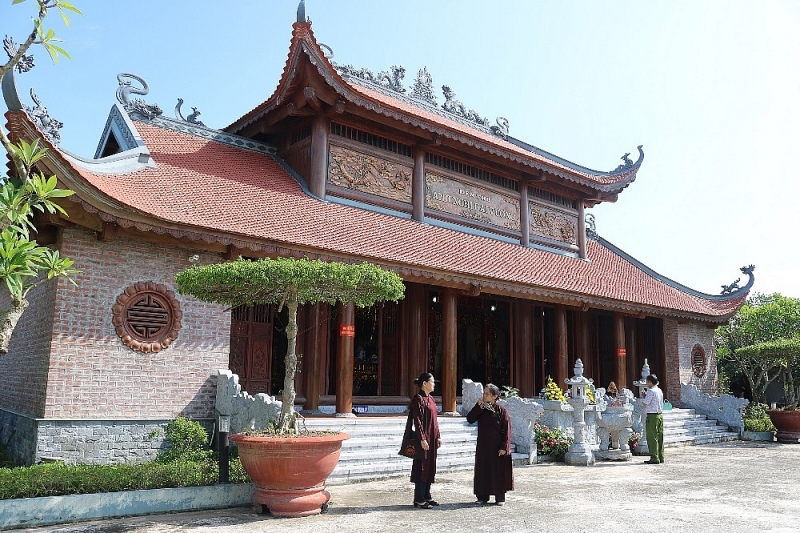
(361, 172)
(471, 202)
(553, 224)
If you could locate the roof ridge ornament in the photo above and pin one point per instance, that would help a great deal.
(192, 118)
(501, 130)
(301, 13)
(591, 226)
(734, 287)
(41, 117)
(423, 86)
(135, 105)
(25, 62)
(454, 106)
(393, 81)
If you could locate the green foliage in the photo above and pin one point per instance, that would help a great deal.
(269, 281)
(56, 479)
(188, 442)
(551, 441)
(507, 391)
(763, 319)
(755, 418)
(784, 354)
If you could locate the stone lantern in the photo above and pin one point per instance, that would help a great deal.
(579, 452)
(639, 416)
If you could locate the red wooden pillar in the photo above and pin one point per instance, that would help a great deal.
(344, 360)
(585, 346)
(562, 347)
(621, 354)
(416, 336)
(319, 156)
(312, 359)
(632, 356)
(526, 350)
(449, 351)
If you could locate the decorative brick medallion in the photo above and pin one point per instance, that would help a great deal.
(147, 317)
(698, 360)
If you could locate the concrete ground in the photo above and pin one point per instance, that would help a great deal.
(730, 487)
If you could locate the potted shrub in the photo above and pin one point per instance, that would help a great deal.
(785, 354)
(757, 423)
(289, 467)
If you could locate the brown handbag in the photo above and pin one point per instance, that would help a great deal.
(407, 448)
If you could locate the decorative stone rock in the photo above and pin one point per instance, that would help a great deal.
(246, 411)
(471, 392)
(724, 408)
(524, 413)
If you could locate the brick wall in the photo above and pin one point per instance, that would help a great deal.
(93, 375)
(25, 367)
(679, 339)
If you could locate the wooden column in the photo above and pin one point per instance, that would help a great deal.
(581, 230)
(621, 354)
(449, 350)
(524, 214)
(634, 370)
(344, 361)
(562, 347)
(319, 156)
(415, 335)
(311, 356)
(418, 185)
(526, 349)
(584, 346)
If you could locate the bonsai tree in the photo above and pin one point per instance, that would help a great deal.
(290, 282)
(783, 355)
(763, 319)
(27, 190)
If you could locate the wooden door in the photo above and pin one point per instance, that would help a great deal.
(251, 346)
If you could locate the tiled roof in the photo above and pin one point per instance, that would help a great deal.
(303, 41)
(213, 187)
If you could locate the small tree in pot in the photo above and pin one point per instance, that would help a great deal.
(290, 282)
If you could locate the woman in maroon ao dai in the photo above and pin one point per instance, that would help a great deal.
(493, 472)
(427, 441)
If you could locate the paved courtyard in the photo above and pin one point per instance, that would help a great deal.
(732, 487)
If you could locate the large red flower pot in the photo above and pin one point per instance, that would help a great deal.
(788, 425)
(290, 473)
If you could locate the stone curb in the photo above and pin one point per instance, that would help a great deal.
(30, 512)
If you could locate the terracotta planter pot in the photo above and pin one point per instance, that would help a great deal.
(788, 425)
(290, 473)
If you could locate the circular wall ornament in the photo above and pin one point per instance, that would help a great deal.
(147, 317)
(698, 361)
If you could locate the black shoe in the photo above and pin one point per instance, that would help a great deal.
(481, 502)
(651, 462)
(433, 503)
(425, 505)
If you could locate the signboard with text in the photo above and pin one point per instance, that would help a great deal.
(471, 202)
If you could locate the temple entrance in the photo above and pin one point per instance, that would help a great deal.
(484, 341)
(258, 344)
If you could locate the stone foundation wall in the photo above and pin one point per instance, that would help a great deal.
(18, 437)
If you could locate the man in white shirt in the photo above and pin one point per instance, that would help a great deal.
(653, 402)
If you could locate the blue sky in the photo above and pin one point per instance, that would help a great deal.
(710, 88)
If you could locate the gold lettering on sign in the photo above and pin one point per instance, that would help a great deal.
(471, 202)
(553, 223)
(361, 172)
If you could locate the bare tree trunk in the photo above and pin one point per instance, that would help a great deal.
(9, 322)
(287, 420)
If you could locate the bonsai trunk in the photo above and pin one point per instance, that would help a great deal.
(9, 322)
(287, 420)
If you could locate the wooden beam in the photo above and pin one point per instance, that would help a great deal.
(108, 233)
(562, 347)
(620, 351)
(524, 215)
(319, 156)
(344, 360)
(449, 350)
(418, 185)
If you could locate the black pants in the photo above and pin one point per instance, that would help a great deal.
(500, 497)
(422, 492)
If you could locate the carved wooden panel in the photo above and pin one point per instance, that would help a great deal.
(370, 174)
(147, 317)
(471, 202)
(546, 221)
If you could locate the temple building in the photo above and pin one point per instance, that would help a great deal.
(507, 280)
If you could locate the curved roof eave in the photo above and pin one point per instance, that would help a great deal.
(303, 41)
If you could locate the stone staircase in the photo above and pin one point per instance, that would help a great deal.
(371, 452)
(685, 427)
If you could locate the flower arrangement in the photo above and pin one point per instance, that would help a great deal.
(551, 441)
(590, 394)
(553, 392)
(633, 440)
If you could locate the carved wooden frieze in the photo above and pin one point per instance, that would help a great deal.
(366, 173)
(471, 202)
(553, 223)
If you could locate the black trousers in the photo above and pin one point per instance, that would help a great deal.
(422, 492)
